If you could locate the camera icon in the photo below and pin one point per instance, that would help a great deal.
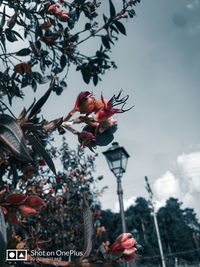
(16, 255)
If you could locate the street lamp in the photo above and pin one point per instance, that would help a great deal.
(117, 158)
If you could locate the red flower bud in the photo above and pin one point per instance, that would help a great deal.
(123, 237)
(129, 251)
(52, 8)
(116, 249)
(85, 102)
(16, 199)
(128, 243)
(85, 138)
(27, 211)
(35, 202)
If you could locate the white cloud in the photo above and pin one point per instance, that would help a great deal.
(167, 185)
(183, 184)
(127, 203)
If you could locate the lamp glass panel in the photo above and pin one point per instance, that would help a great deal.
(124, 162)
(117, 171)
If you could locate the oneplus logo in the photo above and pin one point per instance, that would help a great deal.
(16, 255)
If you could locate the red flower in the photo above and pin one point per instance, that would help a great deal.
(106, 111)
(35, 202)
(62, 15)
(85, 102)
(124, 246)
(16, 199)
(85, 138)
(52, 8)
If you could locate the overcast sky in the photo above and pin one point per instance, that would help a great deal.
(159, 67)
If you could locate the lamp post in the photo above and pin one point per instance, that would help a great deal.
(117, 158)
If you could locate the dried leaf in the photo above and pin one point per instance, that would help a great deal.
(52, 125)
(88, 229)
(22, 114)
(41, 150)
(11, 21)
(12, 137)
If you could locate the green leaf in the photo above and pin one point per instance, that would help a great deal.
(11, 136)
(23, 52)
(10, 35)
(41, 101)
(105, 18)
(3, 239)
(95, 79)
(18, 35)
(63, 61)
(112, 9)
(120, 27)
(37, 146)
(105, 41)
(86, 75)
(34, 85)
(3, 18)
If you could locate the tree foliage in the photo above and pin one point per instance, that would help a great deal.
(51, 33)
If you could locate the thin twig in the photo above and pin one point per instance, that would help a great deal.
(8, 109)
